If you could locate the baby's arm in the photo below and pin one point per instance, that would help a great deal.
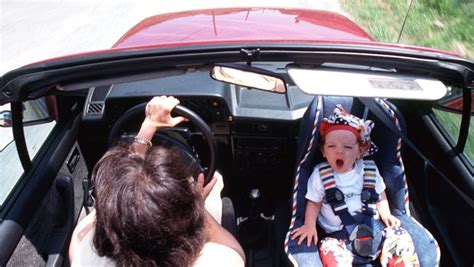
(308, 229)
(384, 210)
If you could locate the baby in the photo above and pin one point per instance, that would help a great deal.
(344, 141)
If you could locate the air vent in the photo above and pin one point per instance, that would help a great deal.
(95, 104)
(95, 108)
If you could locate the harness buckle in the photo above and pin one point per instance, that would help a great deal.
(335, 198)
(362, 240)
(368, 195)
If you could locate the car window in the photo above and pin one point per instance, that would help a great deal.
(35, 135)
(451, 120)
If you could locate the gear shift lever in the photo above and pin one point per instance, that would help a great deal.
(254, 196)
(254, 193)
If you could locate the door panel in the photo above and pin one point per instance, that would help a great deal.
(36, 221)
(448, 213)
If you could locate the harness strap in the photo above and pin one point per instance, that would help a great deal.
(335, 197)
(369, 198)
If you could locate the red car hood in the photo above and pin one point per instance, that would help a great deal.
(250, 25)
(231, 25)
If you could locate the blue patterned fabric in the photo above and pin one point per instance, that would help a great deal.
(425, 244)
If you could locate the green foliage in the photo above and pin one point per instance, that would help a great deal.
(440, 24)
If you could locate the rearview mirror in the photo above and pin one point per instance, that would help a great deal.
(251, 77)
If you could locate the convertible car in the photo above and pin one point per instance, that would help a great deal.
(255, 83)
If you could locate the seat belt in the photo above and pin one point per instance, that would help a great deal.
(383, 117)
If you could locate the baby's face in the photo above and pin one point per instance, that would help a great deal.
(341, 150)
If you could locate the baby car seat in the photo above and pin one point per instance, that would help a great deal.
(389, 163)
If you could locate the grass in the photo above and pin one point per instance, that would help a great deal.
(440, 24)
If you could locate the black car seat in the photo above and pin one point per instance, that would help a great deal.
(388, 160)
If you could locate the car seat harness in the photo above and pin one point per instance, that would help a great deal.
(359, 232)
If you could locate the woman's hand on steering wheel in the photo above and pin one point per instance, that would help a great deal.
(158, 115)
(206, 189)
(158, 112)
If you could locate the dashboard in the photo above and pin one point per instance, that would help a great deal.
(256, 124)
(256, 131)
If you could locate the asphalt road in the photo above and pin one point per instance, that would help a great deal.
(32, 31)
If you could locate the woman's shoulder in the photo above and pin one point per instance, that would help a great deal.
(214, 254)
(85, 253)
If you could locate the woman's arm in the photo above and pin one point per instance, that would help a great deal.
(81, 230)
(157, 115)
(217, 234)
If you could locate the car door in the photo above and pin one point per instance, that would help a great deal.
(42, 170)
(446, 194)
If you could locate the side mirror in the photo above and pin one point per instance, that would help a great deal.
(6, 118)
(454, 102)
(34, 112)
(249, 76)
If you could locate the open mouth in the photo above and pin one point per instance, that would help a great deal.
(339, 162)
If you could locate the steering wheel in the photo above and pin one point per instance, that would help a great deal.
(180, 111)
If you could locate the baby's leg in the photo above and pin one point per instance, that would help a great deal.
(333, 252)
(398, 248)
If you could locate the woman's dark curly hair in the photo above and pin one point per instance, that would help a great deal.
(148, 210)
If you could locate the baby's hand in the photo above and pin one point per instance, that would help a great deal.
(391, 221)
(305, 231)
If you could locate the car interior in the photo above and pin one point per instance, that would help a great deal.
(262, 139)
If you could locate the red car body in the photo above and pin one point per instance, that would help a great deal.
(231, 25)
